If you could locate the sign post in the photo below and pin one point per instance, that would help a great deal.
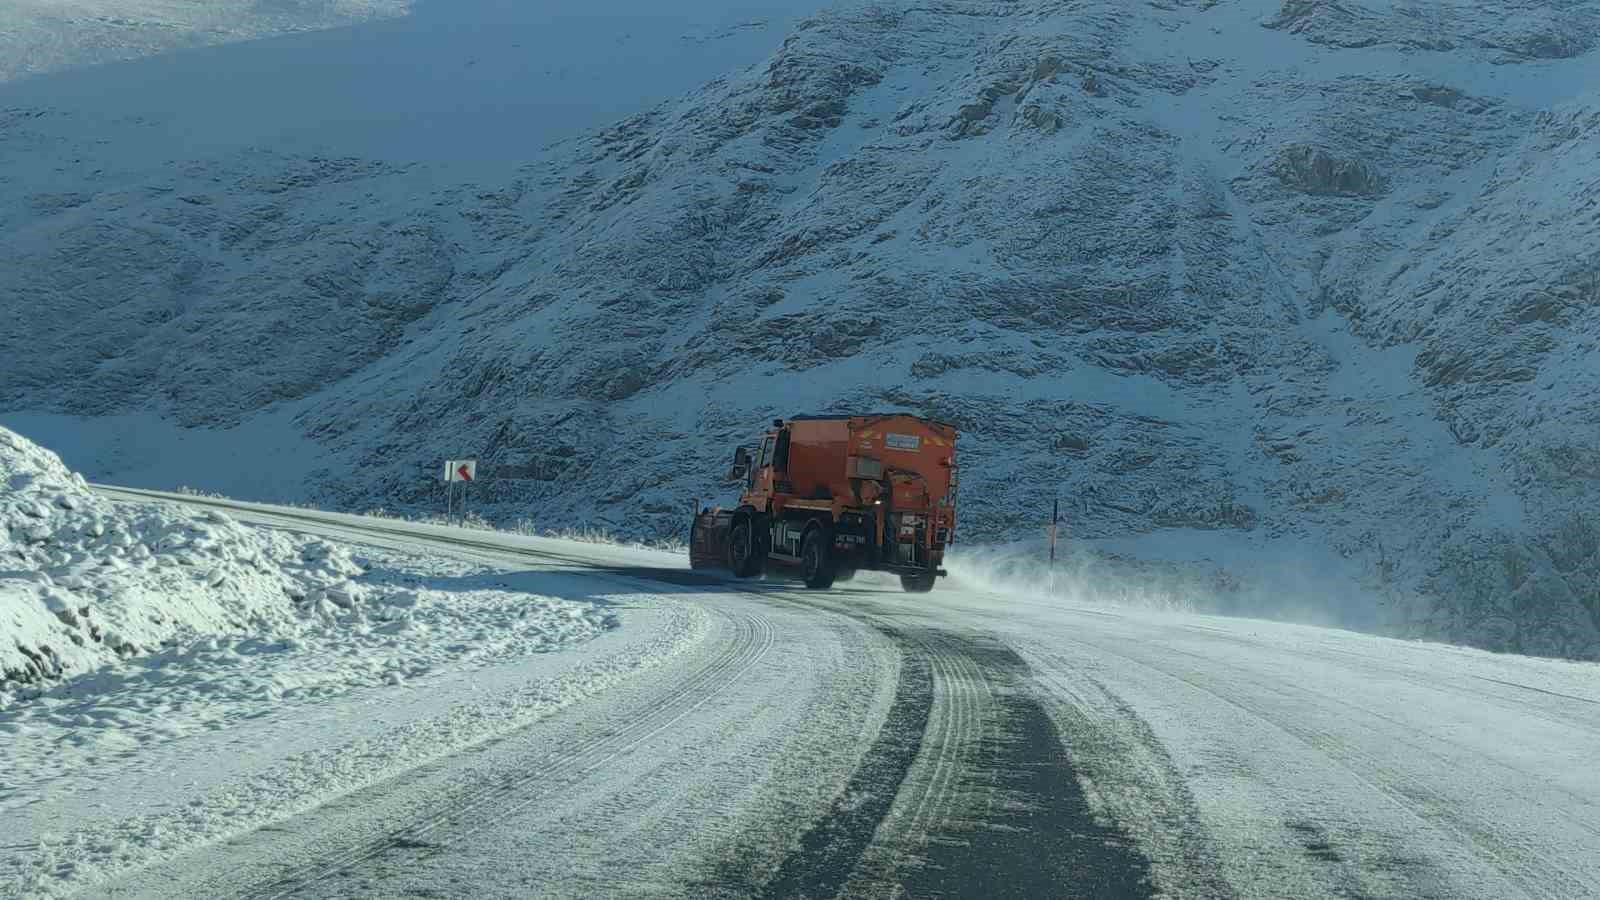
(464, 471)
(449, 490)
(1055, 525)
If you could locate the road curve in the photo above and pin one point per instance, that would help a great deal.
(865, 742)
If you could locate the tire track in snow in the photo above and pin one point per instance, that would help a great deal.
(1131, 777)
(1538, 875)
(1034, 833)
(485, 807)
(1330, 855)
(958, 681)
(932, 789)
(983, 802)
(832, 848)
(989, 805)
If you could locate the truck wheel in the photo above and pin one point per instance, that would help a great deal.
(916, 584)
(747, 556)
(816, 558)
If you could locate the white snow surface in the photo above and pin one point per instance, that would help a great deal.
(39, 36)
(1241, 757)
(160, 602)
(89, 584)
(132, 634)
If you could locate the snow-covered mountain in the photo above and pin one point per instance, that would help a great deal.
(41, 36)
(1299, 294)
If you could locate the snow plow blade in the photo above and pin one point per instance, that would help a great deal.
(708, 539)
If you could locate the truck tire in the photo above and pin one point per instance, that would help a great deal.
(916, 584)
(816, 557)
(747, 553)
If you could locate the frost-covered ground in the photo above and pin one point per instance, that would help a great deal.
(1252, 285)
(129, 632)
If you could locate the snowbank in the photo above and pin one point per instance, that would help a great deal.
(85, 582)
(130, 632)
(86, 585)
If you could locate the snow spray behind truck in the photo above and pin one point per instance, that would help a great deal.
(831, 495)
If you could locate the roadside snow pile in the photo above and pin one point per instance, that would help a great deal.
(84, 582)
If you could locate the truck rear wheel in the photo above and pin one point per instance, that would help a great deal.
(816, 558)
(747, 555)
(916, 584)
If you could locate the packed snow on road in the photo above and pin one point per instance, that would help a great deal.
(352, 707)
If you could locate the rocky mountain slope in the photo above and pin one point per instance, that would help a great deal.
(1297, 296)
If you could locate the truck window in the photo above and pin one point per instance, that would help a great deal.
(766, 453)
(780, 456)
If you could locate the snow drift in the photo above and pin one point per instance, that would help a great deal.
(117, 614)
(85, 582)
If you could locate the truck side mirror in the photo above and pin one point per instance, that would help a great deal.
(741, 456)
(738, 472)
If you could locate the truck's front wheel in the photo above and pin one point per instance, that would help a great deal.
(747, 556)
(816, 558)
(916, 584)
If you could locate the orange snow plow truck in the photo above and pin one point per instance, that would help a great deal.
(831, 495)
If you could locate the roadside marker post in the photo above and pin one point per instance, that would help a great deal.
(449, 490)
(464, 471)
(1055, 525)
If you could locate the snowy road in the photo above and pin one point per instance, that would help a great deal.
(763, 740)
